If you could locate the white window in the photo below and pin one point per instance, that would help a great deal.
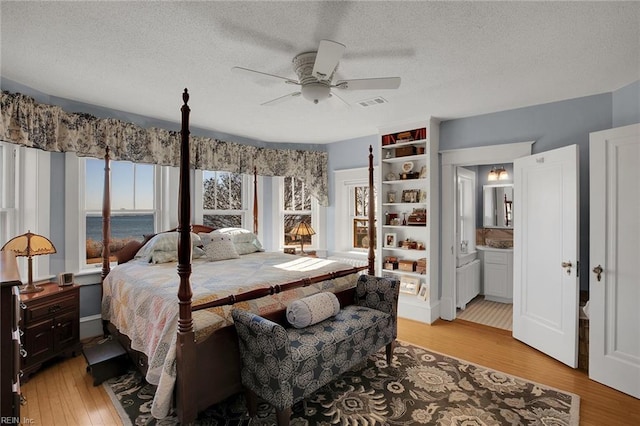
(225, 199)
(352, 211)
(133, 205)
(297, 205)
(8, 191)
(25, 193)
(359, 213)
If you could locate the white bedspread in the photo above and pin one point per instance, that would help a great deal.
(141, 300)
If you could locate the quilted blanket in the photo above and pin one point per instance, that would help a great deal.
(141, 300)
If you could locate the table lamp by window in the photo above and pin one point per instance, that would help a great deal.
(302, 229)
(30, 245)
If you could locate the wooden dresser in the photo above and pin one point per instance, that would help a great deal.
(9, 356)
(50, 320)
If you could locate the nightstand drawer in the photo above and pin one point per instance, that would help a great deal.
(35, 312)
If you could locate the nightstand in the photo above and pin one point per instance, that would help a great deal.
(50, 320)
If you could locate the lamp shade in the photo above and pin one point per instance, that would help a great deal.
(30, 245)
(302, 229)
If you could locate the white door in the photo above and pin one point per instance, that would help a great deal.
(614, 295)
(546, 287)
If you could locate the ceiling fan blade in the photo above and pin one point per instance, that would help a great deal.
(329, 53)
(335, 95)
(369, 83)
(247, 70)
(282, 99)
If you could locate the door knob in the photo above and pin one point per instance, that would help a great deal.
(598, 271)
(567, 266)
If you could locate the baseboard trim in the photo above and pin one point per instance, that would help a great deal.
(413, 308)
(90, 326)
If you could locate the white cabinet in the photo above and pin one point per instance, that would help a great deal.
(498, 274)
(408, 216)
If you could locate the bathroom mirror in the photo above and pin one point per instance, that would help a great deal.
(497, 206)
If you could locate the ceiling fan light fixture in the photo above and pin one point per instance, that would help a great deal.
(316, 92)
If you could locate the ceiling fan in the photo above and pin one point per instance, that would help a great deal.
(315, 72)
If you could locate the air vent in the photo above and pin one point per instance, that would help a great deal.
(372, 102)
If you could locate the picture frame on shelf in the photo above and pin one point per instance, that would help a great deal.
(409, 284)
(410, 196)
(424, 292)
(391, 196)
(391, 240)
(423, 172)
(422, 196)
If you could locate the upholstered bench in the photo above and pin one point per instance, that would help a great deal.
(284, 365)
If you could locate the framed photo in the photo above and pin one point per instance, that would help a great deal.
(422, 197)
(423, 172)
(424, 292)
(390, 239)
(410, 196)
(409, 284)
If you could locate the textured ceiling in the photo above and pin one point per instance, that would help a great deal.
(455, 59)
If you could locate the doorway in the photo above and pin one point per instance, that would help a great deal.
(451, 160)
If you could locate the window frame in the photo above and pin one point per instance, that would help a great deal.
(345, 183)
(246, 212)
(27, 171)
(75, 219)
(317, 219)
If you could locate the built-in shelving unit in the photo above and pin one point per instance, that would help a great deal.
(407, 212)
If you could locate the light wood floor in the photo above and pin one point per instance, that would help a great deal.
(63, 394)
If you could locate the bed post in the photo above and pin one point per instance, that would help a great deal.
(106, 230)
(372, 216)
(255, 200)
(106, 217)
(185, 346)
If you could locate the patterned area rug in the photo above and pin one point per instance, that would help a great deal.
(420, 387)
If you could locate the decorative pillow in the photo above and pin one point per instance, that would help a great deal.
(244, 240)
(167, 242)
(220, 248)
(129, 250)
(312, 309)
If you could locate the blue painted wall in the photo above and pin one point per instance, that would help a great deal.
(347, 154)
(626, 105)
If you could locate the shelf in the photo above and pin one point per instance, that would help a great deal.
(401, 144)
(402, 181)
(404, 226)
(399, 272)
(404, 158)
(404, 250)
(404, 204)
(423, 154)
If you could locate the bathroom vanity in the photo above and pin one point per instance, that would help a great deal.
(497, 275)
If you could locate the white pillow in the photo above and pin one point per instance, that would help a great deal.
(312, 309)
(221, 248)
(245, 241)
(167, 242)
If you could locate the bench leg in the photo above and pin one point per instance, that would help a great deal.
(283, 416)
(252, 402)
(390, 352)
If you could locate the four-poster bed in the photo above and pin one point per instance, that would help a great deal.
(200, 352)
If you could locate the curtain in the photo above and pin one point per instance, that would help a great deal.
(26, 122)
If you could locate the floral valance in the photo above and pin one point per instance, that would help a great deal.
(27, 122)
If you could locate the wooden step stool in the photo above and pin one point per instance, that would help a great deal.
(106, 360)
